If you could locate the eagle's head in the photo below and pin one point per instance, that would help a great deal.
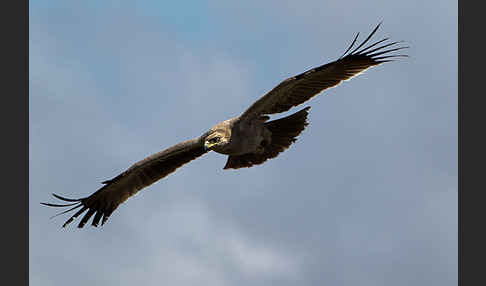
(214, 140)
(218, 137)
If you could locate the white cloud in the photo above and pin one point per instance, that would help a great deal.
(194, 245)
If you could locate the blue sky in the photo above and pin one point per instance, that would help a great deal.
(367, 195)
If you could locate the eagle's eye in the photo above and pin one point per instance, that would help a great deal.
(214, 140)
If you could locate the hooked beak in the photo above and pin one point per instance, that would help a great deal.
(208, 145)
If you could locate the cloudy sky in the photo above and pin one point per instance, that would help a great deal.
(366, 196)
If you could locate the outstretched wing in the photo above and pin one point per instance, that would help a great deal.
(300, 88)
(140, 175)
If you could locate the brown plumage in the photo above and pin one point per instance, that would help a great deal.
(248, 140)
(284, 133)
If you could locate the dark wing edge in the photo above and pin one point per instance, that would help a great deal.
(105, 200)
(298, 89)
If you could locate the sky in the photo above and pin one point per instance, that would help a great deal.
(366, 196)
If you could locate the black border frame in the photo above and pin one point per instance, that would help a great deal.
(15, 143)
(471, 145)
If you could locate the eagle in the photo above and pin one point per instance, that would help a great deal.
(249, 139)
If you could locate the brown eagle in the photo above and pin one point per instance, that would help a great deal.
(248, 140)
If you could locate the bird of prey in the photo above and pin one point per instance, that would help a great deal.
(249, 139)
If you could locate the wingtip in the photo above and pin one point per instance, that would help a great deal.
(350, 46)
(59, 205)
(366, 40)
(65, 199)
(379, 24)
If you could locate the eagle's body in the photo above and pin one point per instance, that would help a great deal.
(249, 139)
(240, 136)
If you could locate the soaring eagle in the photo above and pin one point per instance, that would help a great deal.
(248, 140)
